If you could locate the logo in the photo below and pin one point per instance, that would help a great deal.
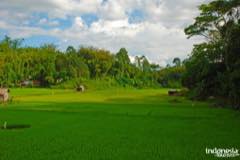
(223, 152)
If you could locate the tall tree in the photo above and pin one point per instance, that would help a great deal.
(216, 63)
(177, 61)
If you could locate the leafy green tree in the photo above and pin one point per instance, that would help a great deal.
(71, 50)
(177, 61)
(122, 57)
(216, 62)
(122, 62)
(99, 61)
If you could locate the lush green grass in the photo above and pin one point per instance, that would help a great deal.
(116, 124)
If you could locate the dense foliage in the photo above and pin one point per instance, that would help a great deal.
(214, 66)
(47, 66)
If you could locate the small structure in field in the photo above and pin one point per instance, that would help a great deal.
(80, 88)
(36, 83)
(30, 83)
(4, 96)
(173, 92)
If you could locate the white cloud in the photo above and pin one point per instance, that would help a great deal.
(159, 43)
(78, 23)
(159, 35)
(3, 25)
(54, 8)
(112, 10)
(116, 28)
(46, 22)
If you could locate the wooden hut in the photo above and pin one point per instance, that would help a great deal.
(173, 92)
(80, 88)
(4, 94)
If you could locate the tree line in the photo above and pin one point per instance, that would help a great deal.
(50, 66)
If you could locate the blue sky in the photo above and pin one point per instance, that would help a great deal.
(153, 28)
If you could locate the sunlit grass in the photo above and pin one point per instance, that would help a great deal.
(113, 124)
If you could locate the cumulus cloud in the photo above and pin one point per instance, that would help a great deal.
(116, 28)
(54, 8)
(46, 22)
(158, 35)
(112, 10)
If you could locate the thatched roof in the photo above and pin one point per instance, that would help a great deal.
(3, 91)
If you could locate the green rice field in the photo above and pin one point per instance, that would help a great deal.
(113, 124)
